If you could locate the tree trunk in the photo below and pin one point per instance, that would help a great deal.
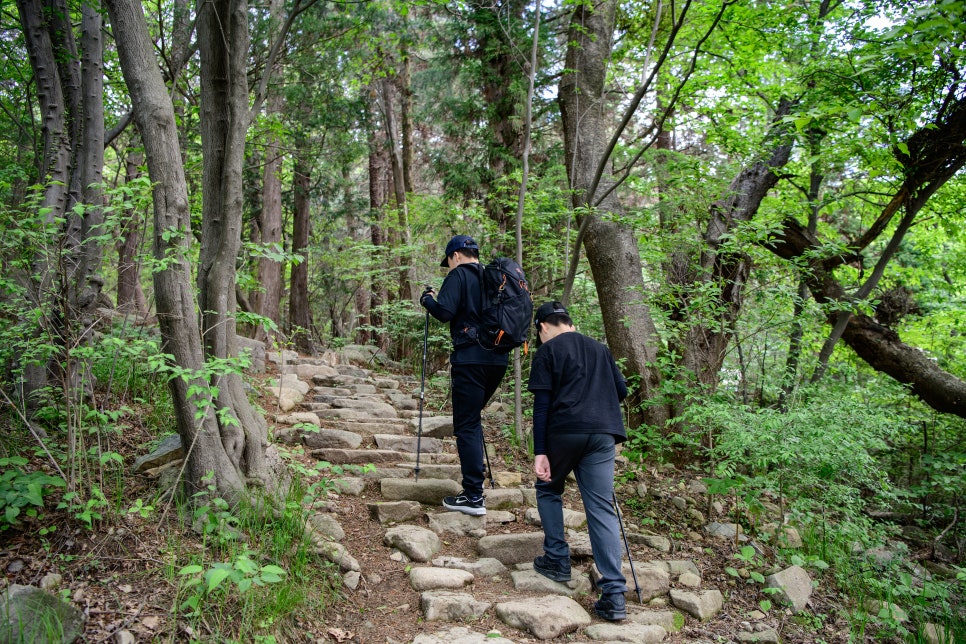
(405, 266)
(267, 301)
(300, 317)
(70, 102)
(223, 40)
(496, 27)
(130, 295)
(379, 181)
(703, 349)
(195, 411)
(611, 247)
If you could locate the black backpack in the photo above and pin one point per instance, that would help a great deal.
(507, 308)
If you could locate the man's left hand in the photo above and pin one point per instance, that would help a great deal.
(541, 467)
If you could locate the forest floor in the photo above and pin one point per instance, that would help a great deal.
(123, 572)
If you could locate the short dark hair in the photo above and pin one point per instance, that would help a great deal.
(472, 253)
(557, 319)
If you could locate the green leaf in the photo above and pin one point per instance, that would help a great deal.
(215, 576)
(193, 569)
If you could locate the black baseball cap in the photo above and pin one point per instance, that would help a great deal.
(457, 243)
(546, 310)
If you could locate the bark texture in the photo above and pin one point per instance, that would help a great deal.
(611, 246)
(174, 293)
(300, 316)
(223, 42)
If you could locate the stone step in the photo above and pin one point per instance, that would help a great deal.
(408, 443)
(365, 419)
(428, 491)
(338, 456)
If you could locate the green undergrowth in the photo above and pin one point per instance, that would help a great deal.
(254, 571)
(871, 481)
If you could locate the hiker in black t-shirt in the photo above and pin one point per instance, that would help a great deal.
(475, 373)
(577, 393)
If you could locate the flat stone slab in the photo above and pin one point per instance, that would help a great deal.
(502, 498)
(482, 567)
(427, 578)
(702, 605)
(425, 459)
(26, 612)
(461, 635)
(530, 581)
(370, 407)
(546, 617)
(419, 544)
(169, 450)
(572, 519)
(637, 633)
(373, 426)
(395, 511)
(408, 443)
(512, 549)
(435, 470)
(670, 620)
(331, 439)
(338, 456)
(341, 414)
(379, 473)
(652, 581)
(350, 486)
(456, 523)
(428, 491)
(298, 418)
(451, 606)
(434, 426)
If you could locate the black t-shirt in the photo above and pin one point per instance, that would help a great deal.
(460, 300)
(586, 387)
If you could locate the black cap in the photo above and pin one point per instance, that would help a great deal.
(546, 310)
(455, 244)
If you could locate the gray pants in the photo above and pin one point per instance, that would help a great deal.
(591, 458)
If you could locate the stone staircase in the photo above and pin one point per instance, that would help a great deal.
(473, 575)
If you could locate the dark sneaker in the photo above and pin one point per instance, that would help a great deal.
(466, 504)
(612, 607)
(555, 569)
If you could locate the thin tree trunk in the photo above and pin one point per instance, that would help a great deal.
(406, 119)
(267, 300)
(379, 181)
(130, 294)
(406, 269)
(300, 317)
(223, 40)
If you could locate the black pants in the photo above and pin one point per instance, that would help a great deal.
(473, 386)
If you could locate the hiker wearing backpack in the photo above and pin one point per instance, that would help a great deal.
(475, 372)
(577, 393)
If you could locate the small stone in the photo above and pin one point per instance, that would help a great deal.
(124, 637)
(51, 581)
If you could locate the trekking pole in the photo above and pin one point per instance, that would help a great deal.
(487, 456)
(422, 395)
(620, 520)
